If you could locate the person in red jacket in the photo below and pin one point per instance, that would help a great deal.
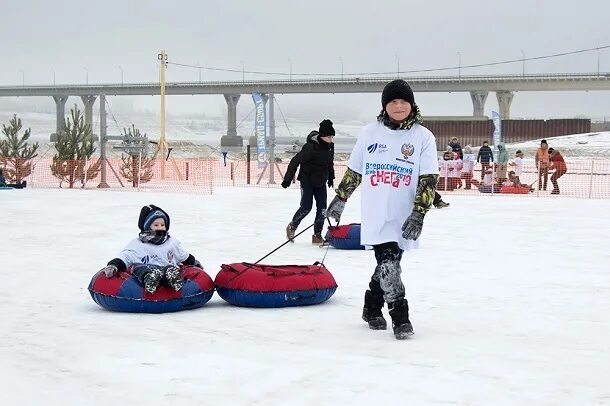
(559, 165)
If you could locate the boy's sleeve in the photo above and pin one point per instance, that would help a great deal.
(129, 256)
(428, 161)
(428, 176)
(356, 159)
(120, 265)
(181, 254)
(351, 180)
(303, 156)
(190, 260)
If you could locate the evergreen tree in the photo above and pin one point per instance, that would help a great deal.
(74, 148)
(15, 152)
(136, 165)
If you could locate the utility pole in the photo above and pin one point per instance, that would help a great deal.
(162, 57)
(397, 66)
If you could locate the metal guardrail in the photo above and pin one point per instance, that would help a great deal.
(334, 85)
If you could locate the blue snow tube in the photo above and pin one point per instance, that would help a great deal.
(487, 189)
(346, 237)
(124, 293)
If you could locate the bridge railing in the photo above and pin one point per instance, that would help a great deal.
(334, 79)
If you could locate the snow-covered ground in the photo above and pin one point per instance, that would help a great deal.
(509, 299)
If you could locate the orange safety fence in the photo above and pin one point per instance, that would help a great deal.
(583, 179)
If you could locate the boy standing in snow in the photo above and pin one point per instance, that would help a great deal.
(154, 255)
(317, 169)
(395, 161)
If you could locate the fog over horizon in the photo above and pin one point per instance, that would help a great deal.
(115, 41)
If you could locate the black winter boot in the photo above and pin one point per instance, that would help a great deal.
(399, 311)
(373, 303)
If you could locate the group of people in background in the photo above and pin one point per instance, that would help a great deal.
(456, 167)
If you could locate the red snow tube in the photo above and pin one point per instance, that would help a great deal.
(519, 190)
(249, 285)
(345, 237)
(124, 293)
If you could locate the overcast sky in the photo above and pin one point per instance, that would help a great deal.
(99, 41)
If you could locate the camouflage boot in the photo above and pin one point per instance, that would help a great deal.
(174, 277)
(152, 279)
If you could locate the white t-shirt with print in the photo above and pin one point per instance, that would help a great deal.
(469, 161)
(168, 253)
(518, 166)
(390, 162)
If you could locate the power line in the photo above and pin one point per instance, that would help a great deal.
(479, 65)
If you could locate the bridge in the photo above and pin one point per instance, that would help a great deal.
(478, 86)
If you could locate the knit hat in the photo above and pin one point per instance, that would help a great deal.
(397, 89)
(148, 214)
(543, 142)
(326, 128)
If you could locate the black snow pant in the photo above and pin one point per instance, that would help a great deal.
(387, 272)
(308, 193)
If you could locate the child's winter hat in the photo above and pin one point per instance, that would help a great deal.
(397, 89)
(518, 152)
(149, 213)
(468, 149)
(326, 128)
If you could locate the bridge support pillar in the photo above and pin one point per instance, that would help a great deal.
(231, 139)
(88, 101)
(103, 141)
(505, 98)
(478, 102)
(60, 114)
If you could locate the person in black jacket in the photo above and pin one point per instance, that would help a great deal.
(486, 157)
(316, 162)
(456, 147)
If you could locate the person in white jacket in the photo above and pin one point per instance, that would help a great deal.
(468, 166)
(394, 160)
(154, 256)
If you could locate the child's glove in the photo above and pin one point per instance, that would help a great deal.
(330, 183)
(335, 209)
(411, 229)
(109, 270)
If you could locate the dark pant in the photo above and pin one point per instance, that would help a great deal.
(387, 272)
(308, 193)
(468, 178)
(484, 168)
(543, 173)
(558, 174)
